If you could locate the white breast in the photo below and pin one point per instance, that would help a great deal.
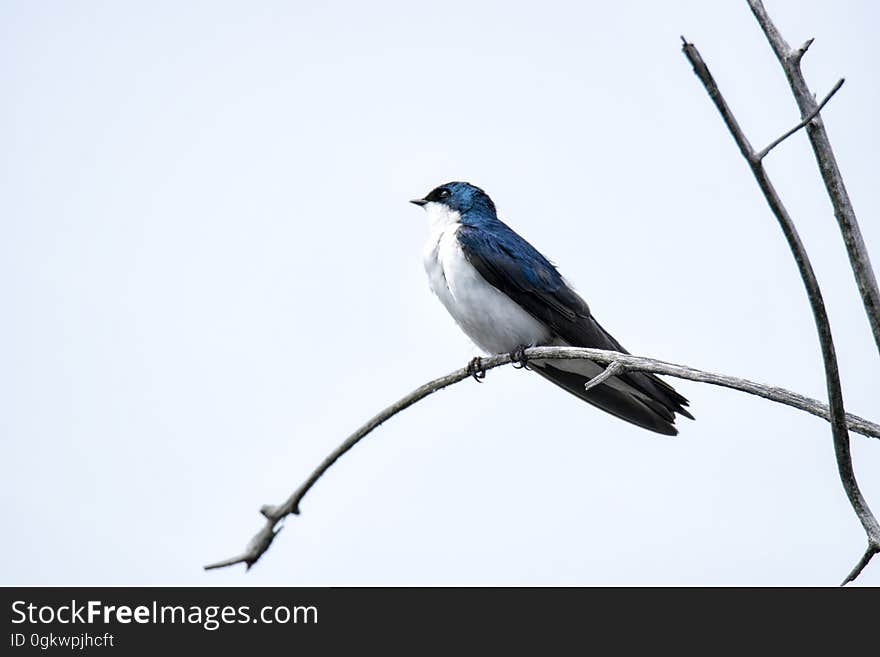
(489, 317)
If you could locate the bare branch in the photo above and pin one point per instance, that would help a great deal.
(760, 155)
(814, 293)
(614, 361)
(831, 176)
(714, 92)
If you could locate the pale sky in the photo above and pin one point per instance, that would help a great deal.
(211, 276)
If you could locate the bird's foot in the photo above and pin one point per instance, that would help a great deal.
(475, 369)
(519, 358)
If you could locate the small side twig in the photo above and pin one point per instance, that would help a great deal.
(260, 543)
(805, 46)
(612, 370)
(860, 566)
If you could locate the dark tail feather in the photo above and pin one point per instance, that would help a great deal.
(645, 401)
(659, 390)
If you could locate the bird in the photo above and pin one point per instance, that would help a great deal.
(506, 296)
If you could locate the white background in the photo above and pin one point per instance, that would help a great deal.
(210, 275)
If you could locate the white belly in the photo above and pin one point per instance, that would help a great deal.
(490, 318)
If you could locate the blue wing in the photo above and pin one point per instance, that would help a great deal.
(516, 268)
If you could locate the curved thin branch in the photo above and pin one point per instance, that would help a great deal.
(275, 514)
(814, 293)
(790, 60)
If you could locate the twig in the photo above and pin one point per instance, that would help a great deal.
(831, 176)
(613, 369)
(860, 566)
(800, 52)
(760, 155)
(275, 514)
(817, 303)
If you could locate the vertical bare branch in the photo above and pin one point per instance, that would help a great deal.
(817, 303)
(790, 59)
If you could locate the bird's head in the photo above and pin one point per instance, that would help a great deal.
(458, 198)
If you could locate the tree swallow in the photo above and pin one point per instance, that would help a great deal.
(506, 296)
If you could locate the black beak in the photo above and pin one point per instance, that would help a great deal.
(419, 201)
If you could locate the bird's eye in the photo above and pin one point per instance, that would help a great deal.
(443, 193)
